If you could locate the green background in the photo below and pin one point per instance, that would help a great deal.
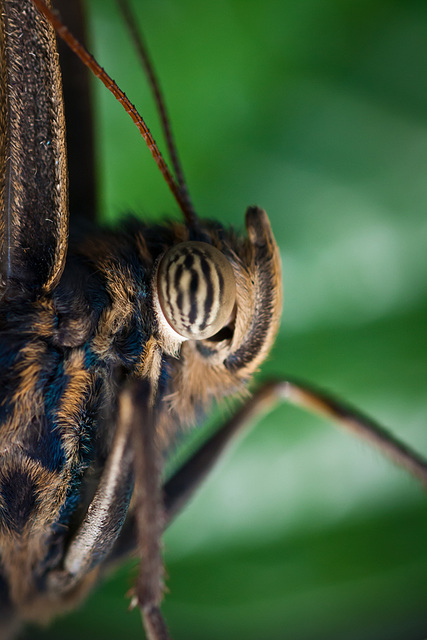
(317, 111)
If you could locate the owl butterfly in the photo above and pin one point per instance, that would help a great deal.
(113, 342)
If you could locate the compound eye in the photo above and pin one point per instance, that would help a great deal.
(196, 289)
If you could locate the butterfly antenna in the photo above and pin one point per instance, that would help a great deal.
(145, 59)
(130, 109)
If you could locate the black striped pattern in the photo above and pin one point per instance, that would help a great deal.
(196, 289)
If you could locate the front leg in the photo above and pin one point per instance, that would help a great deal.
(105, 515)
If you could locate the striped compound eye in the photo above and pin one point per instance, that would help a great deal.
(196, 289)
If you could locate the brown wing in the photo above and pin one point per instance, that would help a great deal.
(33, 166)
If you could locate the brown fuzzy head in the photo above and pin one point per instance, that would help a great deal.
(221, 363)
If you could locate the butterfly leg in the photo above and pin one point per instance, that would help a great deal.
(94, 538)
(148, 508)
(179, 488)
